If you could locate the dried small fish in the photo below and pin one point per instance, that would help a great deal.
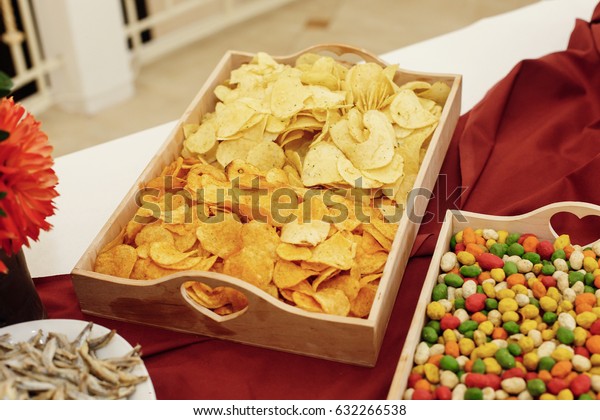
(53, 367)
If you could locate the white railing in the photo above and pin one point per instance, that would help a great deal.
(198, 18)
(38, 69)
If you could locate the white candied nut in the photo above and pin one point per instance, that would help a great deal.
(495, 317)
(446, 304)
(408, 394)
(596, 248)
(536, 336)
(469, 288)
(566, 320)
(522, 299)
(569, 294)
(597, 294)
(462, 361)
(576, 260)
(479, 337)
(489, 393)
(501, 394)
(458, 293)
(578, 287)
(490, 281)
(562, 283)
(514, 385)
(514, 258)
(558, 274)
(458, 393)
(440, 278)
(436, 349)
(500, 286)
(421, 353)
(524, 266)
(502, 344)
(448, 261)
(546, 348)
(448, 378)
(490, 234)
(581, 363)
(596, 378)
(451, 294)
(529, 276)
(505, 257)
(561, 265)
(462, 315)
(525, 395)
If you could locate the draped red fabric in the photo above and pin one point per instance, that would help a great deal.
(534, 139)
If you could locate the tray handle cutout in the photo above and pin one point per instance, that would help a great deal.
(222, 303)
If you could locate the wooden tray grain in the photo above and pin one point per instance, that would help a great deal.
(267, 322)
(536, 222)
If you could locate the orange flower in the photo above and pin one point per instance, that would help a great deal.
(27, 180)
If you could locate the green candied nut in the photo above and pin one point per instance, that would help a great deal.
(546, 363)
(514, 349)
(589, 289)
(453, 243)
(440, 291)
(505, 359)
(478, 366)
(585, 396)
(473, 394)
(435, 325)
(533, 301)
(548, 269)
(511, 327)
(516, 249)
(512, 238)
(588, 279)
(491, 304)
(469, 334)
(565, 335)
(536, 387)
(559, 253)
(574, 277)
(479, 289)
(468, 325)
(498, 249)
(470, 271)
(449, 363)
(510, 268)
(534, 257)
(459, 303)
(549, 318)
(429, 335)
(453, 280)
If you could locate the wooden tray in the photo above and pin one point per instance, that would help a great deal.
(536, 222)
(267, 322)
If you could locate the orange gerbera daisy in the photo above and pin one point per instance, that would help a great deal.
(27, 180)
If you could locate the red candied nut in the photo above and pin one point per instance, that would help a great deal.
(476, 380)
(582, 351)
(513, 373)
(488, 261)
(494, 380)
(422, 394)
(413, 378)
(449, 322)
(548, 281)
(595, 327)
(555, 385)
(475, 302)
(545, 249)
(580, 385)
(443, 393)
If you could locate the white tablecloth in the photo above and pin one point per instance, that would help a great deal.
(94, 181)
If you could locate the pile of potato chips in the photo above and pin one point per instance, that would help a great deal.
(286, 185)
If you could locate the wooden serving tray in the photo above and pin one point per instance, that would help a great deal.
(266, 322)
(536, 222)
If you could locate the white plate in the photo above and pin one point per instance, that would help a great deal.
(117, 346)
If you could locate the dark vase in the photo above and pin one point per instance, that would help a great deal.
(19, 300)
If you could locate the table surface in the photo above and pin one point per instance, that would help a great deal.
(94, 181)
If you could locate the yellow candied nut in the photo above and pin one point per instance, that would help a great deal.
(595, 359)
(510, 316)
(541, 326)
(526, 344)
(459, 237)
(432, 373)
(527, 325)
(419, 370)
(590, 264)
(449, 335)
(580, 336)
(487, 350)
(596, 310)
(594, 371)
(502, 235)
(505, 294)
(489, 243)
(566, 306)
(561, 242)
(586, 319)
(492, 366)
(548, 304)
(537, 268)
(529, 311)
(561, 353)
(435, 310)
(547, 396)
(488, 289)
(565, 394)
(465, 258)
(466, 346)
(486, 327)
(554, 293)
(507, 304)
(531, 360)
(519, 289)
(596, 272)
(548, 334)
(497, 274)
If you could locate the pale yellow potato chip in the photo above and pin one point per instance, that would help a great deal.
(232, 118)
(266, 156)
(287, 97)
(308, 233)
(408, 112)
(333, 301)
(222, 238)
(337, 251)
(320, 165)
(388, 173)
(203, 139)
(228, 151)
(287, 274)
(355, 177)
(306, 302)
(437, 92)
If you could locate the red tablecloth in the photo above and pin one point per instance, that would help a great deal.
(534, 139)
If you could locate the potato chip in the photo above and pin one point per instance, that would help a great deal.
(202, 140)
(337, 251)
(165, 254)
(153, 233)
(408, 112)
(288, 96)
(388, 173)
(118, 261)
(349, 283)
(307, 233)
(252, 265)
(306, 302)
(372, 263)
(437, 92)
(320, 165)
(380, 237)
(222, 238)
(118, 240)
(260, 236)
(361, 306)
(266, 156)
(231, 119)
(353, 176)
(290, 252)
(149, 270)
(333, 301)
(287, 274)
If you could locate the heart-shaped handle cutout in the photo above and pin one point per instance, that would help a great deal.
(582, 231)
(221, 303)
